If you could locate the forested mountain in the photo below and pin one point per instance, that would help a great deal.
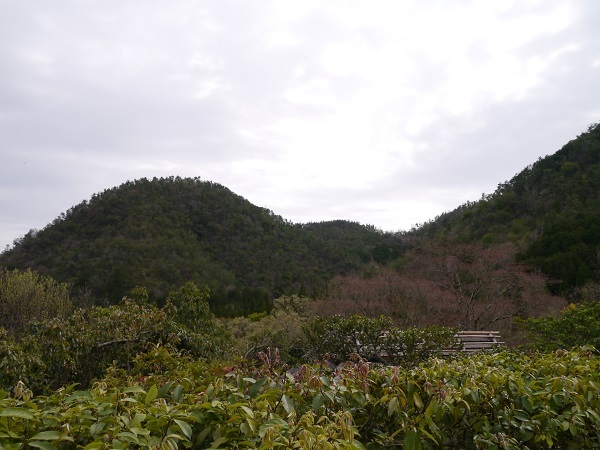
(551, 210)
(161, 233)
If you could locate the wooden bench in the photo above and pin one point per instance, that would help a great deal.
(476, 341)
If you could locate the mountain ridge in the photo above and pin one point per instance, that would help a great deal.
(163, 232)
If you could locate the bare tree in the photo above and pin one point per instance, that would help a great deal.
(476, 286)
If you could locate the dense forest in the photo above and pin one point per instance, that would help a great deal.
(161, 233)
(550, 210)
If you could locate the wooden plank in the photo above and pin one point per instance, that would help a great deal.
(479, 333)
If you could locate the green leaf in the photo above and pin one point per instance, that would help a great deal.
(128, 436)
(276, 422)
(177, 392)
(248, 411)
(200, 438)
(318, 401)
(256, 387)
(134, 389)
(287, 404)
(218, 442)
(97, 428)
(412, 441)
(393, 406)
(162, 392)
(185, 428)
(418, 401)
(78, 394)
(137, 420)
(20, 413)
(47, 436)
(151, 395)
(43, 445)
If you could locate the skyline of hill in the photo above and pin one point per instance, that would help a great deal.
(163, 232)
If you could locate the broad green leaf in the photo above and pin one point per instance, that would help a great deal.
(418, 401)
(393, 406)
(287, 404)
(97, 428)
(357, 445)
(318, 401)
(151, 395)
(256, 387)
(205, 432)
(276, 422)
(20, 413)
(70, 387)
(185, 428)
(137, 420)
(248, 411)
(78, 394)
(41, 444)
(162, 392)
(177, 392)
(217, 442)
(128, 437)
(412, 441)
(47, 436)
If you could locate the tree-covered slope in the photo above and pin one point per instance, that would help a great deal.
(551, 209)
(164, 232)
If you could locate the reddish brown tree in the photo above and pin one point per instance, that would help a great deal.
(475, 286)
(471, 286)
(379, 291)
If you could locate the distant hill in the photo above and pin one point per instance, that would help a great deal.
(551, 209)
(161, 233)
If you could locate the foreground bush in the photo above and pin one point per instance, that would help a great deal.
(508, 400)
(79, 348)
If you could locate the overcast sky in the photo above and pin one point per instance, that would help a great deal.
(382, 112)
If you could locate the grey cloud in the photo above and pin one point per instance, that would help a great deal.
(95, 93)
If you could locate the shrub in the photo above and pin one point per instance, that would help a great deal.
(578, 325)
(26, 296)
(375, 340)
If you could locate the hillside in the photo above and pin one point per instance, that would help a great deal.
(164, 232)
(161, 233)
(551, 210)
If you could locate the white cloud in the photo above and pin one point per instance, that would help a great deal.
(386, 113)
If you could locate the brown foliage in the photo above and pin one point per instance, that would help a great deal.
(472, 286)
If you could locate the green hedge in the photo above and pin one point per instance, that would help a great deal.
(508, 400)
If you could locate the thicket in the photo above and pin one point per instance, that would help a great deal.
(578, 324)
(508, 400)
(26, 296)
(78, 348)
(136, 375)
